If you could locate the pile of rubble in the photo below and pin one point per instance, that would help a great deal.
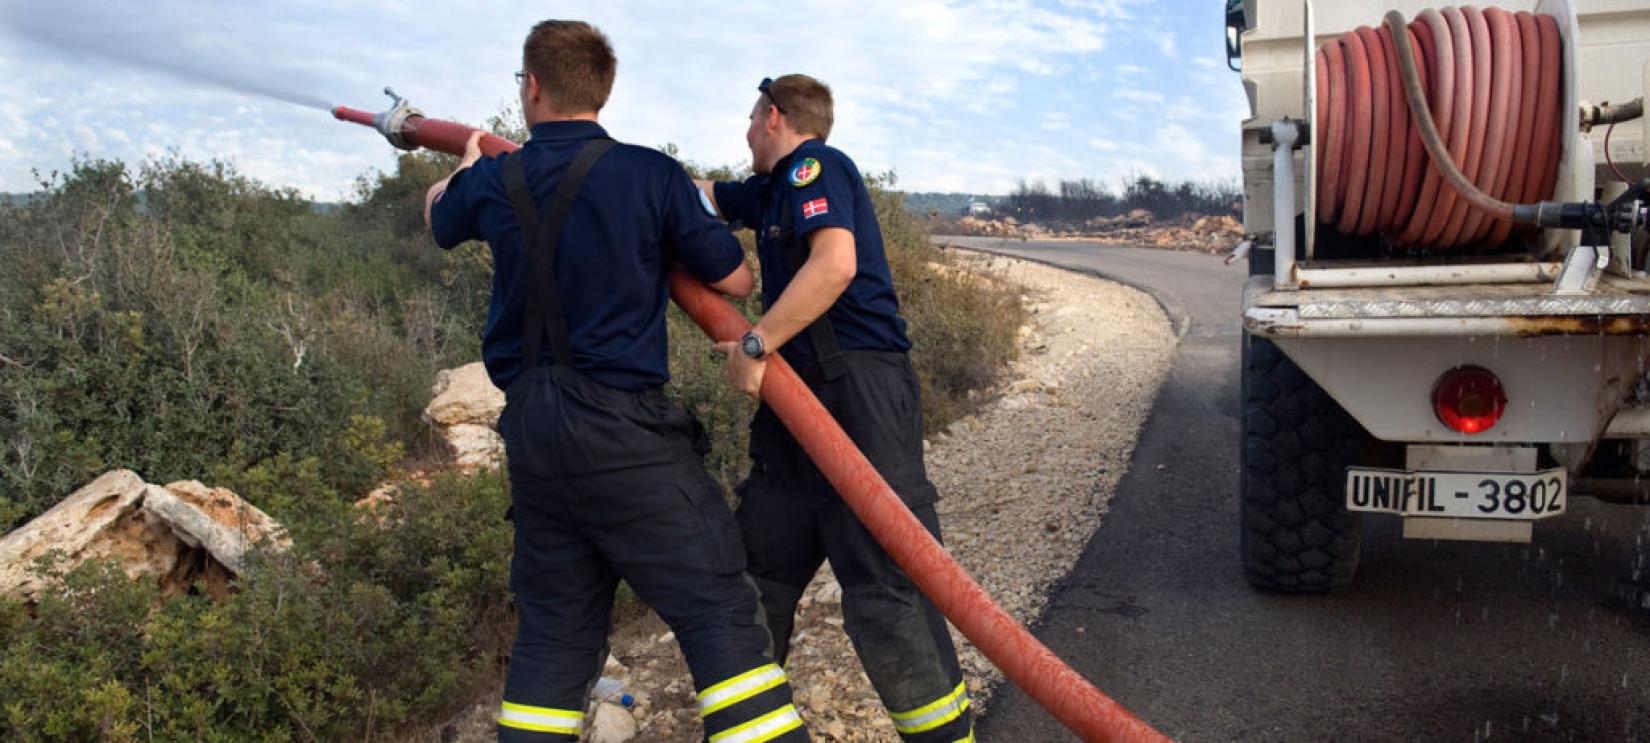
(1135, 219)
(1190, 232)
(1005, 227)
(1193, 232)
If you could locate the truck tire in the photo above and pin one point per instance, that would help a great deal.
(1297, 536)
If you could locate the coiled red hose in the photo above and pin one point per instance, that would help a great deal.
(1492, 81)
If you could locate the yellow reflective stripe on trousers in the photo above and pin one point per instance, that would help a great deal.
(766, 727)
(739, 688)
(969, 739)
(933, 715)
(541, 719)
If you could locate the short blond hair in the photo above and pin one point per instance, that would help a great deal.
(807, 104)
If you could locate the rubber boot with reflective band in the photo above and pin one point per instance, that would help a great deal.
(752, 706)
(554, 723)
(780, 724)
(943, 714)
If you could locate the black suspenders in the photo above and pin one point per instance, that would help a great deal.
(539, 238)
(820, 333)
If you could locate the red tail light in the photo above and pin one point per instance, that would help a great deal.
(1469, 399)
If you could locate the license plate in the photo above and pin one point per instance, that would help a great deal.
(1466, 495)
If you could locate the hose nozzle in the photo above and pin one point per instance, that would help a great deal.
(391, 123)
(408, 128)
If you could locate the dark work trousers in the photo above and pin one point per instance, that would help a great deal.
(609, 484)
(793, 520)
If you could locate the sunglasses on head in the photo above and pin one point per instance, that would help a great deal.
(767, 82)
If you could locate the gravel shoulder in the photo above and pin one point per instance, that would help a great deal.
(1024, 483)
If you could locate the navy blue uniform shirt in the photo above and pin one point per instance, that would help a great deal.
(637, 213)
(820, 187)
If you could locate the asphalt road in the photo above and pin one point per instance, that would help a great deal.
(1436, 641)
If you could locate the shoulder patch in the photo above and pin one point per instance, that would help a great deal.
(805, 172)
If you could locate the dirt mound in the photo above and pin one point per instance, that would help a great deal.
(1190, 231)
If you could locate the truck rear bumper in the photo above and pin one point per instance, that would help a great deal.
(1617, 307)
(1569, 364)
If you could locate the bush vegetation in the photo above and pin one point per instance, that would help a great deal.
(188, 323)
(372, 625)
(1080, 200)
(182, 316)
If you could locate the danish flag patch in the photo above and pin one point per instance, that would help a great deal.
(815, 208)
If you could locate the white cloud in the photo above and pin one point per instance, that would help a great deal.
(1121, 10)
(1137, 95)
(1000, 85)
(1037, 67)
(1056, 121)
(949, 93)
(1163, 40)
(1177, 152)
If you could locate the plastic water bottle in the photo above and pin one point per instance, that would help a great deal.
(609, 689)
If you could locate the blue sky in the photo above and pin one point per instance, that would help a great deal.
(952, 96)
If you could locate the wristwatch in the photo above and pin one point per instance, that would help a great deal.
(752, 345)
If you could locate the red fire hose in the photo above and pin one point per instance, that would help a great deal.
(1491, 80)
(1026, 662)
(1072, 700)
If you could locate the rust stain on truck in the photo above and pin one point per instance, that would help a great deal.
(1533, 327)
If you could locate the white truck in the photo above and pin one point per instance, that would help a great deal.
(1469, 391)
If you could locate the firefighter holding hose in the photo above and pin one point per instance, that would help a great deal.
(831, 312)
(606, 474)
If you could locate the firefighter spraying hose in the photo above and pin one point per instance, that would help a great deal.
(1023, 659)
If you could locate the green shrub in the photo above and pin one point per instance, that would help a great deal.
(189, 323)
(377, 624)
(174, 319)
(964, 332)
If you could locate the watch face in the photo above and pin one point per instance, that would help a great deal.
(752, 345)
